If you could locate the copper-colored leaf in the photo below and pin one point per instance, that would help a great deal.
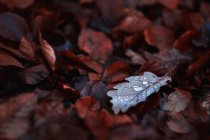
(75, 61)
(20, 4)
(88, 110)
(133, 22)
(116, 72)
(7, 59)
(96, 44)
(15, 114)
(159, 36)
(27, 47)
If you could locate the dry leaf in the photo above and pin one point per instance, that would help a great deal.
(20, 4)
(26, 47)
(136, 90)
(7, 59)
(178, 124)
(177, 101)
(96, 44)
(48, 52)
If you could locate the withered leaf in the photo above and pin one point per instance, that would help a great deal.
(7, 59)
(136, 90)
(34, 74)
(26, 47)
(20, 4)
(12, 26)
(133, 22)
(177, 123)
(48, 52)
(96, 44)
(15, 114)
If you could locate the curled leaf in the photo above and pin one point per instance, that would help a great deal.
(136, 90)
(48, 52)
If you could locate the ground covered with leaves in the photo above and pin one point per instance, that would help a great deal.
(59, 58)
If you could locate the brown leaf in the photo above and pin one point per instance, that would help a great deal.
(135, 57)
(27, 48)
(19, 4)
(132, 132)
(117, 71)
(177, 101)
(12, 26)
(96, 44)
(196, 112)
(159, 36)
(15, 52)
(75, 61)
(170, 4)
(15, 114)
(201, 61)
(184, 42)
(88, 110)
(7, 59)
(178, 124)
(35, 74)
(133, 22)
(48, 52)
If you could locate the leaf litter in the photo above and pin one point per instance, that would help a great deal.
(75, 69)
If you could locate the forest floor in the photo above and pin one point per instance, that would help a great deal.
(60, 58)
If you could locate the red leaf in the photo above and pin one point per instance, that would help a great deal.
(133, 22)
(20, 4)
(96, 44)
(7, 59)
(184, 42)
(88, 110)
(159, 36)
(75, 61)
(27, 48)
(116, 72)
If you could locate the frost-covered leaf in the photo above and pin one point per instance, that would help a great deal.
(136, 90)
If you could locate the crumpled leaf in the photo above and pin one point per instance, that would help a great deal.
(136, 90)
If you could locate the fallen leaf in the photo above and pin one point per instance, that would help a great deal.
(27, 48)
(19, 4)
(35, 74)
(177, 101)
(96, 44)
(133, 22)
(7, 59)
(75, 61)
(178, 124)
(135, 57)
(170, 4)
(48, 52)
(117, 71)
(12, 26)
(15, 114)
(88, 109)
(136, 90)
(159, 36)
